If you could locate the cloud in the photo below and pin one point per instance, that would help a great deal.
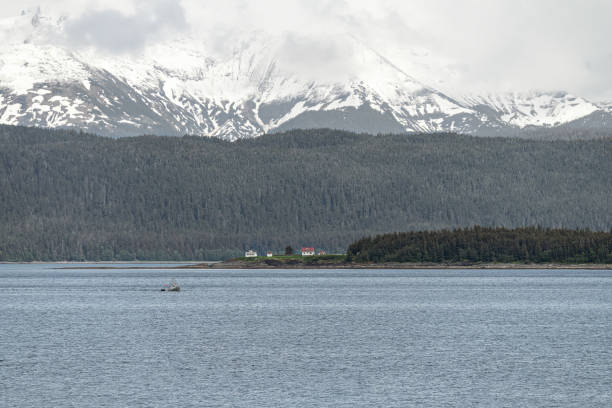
(117, 31)
(461, 46)
(329, 58)
(520, 45)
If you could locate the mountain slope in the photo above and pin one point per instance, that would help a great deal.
(177, 87)
(72, 196)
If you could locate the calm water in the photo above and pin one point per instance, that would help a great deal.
(99, 338)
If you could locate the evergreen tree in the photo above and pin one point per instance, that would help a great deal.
(71, 196)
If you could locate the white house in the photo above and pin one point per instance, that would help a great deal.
(308, 251)
(269, 254)
(250, 254)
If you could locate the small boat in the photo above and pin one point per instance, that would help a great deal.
(171, 287)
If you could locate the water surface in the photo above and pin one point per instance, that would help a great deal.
(311, 338)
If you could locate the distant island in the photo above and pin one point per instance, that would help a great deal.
(475, 247)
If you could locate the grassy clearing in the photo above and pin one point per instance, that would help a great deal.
(292, 259)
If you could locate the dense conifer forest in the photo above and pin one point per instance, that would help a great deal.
(67, 195)
(477, 244)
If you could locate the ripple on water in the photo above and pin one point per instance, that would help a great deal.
(94, 338)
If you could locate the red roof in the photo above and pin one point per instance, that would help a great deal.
(307, 249)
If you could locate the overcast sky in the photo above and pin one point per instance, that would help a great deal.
(495, 45)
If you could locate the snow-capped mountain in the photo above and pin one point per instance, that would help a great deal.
(179, 87)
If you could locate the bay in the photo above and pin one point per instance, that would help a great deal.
(304, 338)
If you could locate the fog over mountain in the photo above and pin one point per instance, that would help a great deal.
(237, 70)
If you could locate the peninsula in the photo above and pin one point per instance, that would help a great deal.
(477, 247)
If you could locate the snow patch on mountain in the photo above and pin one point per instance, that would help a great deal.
(181, 87)
(535, 108)
(605, 106)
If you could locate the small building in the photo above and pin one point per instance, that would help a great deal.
(308, 251)
(269, 254)
(321, 252)
(250, 254)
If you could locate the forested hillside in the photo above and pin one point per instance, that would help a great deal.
(533, 245)
(71, 196)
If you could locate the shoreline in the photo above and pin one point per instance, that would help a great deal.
(406, 266)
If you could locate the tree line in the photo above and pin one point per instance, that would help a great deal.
(478, 244)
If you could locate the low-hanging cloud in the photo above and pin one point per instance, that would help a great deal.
(462, 46)
(116, 31)
(458, 46)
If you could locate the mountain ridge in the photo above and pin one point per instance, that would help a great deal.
(177, 87)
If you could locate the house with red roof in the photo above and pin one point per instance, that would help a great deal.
(308, 251)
